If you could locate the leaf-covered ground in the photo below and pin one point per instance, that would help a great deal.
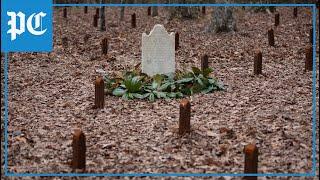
(52, 94)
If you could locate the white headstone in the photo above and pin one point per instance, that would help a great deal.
(158, 52)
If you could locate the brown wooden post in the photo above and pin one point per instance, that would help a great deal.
(311, 36)
(295, 12)
(64, 12)
(309, 58)
(79, 150)
(277, 19)
(204, 62)
(149, 11)
(64, 41)
(95, 21)
(86, 9)
(251, 161)
(176, 41)
(99, 93)
(258, 62)
(86, 38)
(133, 20)
(104, 46)
(184, 119)
(203, 10)
(271, 37)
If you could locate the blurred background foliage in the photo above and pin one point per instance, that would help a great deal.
(184, 1)
(223, 19)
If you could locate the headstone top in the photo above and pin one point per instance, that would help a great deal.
(158, 29)
(158, 52)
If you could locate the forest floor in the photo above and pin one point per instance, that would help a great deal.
(52, 94)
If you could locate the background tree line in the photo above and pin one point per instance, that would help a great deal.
(183, 1)
(222, 20)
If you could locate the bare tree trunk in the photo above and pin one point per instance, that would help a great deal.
(102, 16)
(183, 12)
(122, 10)
(269, 10)
(154, 9)
(222, 19)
